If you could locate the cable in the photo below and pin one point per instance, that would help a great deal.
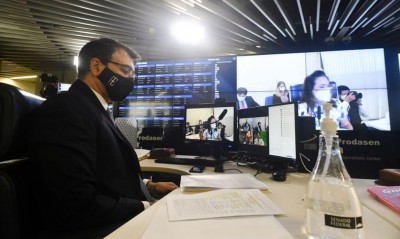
(302, 162)
(308, 140)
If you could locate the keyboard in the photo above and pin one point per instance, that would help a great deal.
(187, 161)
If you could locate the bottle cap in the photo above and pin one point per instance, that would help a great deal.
(327, 124)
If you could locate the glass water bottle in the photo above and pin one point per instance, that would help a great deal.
(332, 204)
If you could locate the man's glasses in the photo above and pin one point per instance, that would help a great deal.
(127, 70)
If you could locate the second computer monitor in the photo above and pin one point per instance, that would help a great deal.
(269, 132)
(253, 130)
(282, 120)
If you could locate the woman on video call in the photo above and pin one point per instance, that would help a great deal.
(211, 132)
(281, 94)
(317, 89)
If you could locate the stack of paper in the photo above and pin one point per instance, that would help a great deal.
(220, 203)
(220, 181)
(142, 153)
(254, 227)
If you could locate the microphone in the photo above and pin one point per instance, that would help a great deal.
(222, 115)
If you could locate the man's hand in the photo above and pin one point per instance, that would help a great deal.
(160, 189)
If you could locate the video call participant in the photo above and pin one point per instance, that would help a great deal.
(199, 127)
(246, 126)
(317, 90)
(352, 104)
(87, 175)
(281, 94)
(211, 131)
(189, 129)
(258, 140)
(258, 127)
(221, 130)
(244, 101)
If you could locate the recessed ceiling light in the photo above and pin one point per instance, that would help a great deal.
(76, 60)
(23, 77)
(187, 32)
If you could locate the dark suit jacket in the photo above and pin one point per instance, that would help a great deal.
(249, 101)
(87, 172)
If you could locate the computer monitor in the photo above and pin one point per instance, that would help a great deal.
(282, 121)
(63, 87)
(253, 131)
(213, 126)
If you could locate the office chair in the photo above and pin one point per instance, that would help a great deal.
(18, 214)
(295, 92)
(128, 127)
(268, 100)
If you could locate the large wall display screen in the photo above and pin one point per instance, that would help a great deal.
(163, 88)
(362, 72)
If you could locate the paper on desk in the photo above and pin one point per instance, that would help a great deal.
(220, 203)
(254, 227)
(220, 181)
(142, 153)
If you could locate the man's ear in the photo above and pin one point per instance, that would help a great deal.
(96, 66)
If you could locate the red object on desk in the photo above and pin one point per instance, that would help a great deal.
(390, 196)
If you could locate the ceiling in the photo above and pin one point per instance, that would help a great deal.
(38, 36)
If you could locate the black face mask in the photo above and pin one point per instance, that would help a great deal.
(117, 86)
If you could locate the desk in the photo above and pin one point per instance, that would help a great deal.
(288, 195)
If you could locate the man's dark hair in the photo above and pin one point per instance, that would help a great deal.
(342, 88)
(101, 48)
(242, 90)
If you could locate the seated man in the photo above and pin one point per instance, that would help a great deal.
(244, 101)
(87, 174)
(189, 129)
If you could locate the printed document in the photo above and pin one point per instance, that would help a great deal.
(220, 181)
(220, 203)
(252, 227)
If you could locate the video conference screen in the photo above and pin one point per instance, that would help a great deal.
(280, 78)
(163, 88)
(354, 81)
(210, 122)
(253, 130)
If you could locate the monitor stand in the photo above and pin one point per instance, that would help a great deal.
(276, 164)
(217, 154)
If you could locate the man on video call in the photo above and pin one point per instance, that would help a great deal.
(244, 101)
(88, 178)
(352, 103)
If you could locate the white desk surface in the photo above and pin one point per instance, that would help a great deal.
(379, 222)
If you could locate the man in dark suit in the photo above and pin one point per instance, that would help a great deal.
(244, 101)
(87, 174)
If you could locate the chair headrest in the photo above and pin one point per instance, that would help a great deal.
(15, 107)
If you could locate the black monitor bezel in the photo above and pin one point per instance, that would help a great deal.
(255, 112)
(227, 145)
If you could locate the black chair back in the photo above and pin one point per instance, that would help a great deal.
(18, 214)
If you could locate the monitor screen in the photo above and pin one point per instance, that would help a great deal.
(282, 119)
(211, 123)
(163, 88)
(253, 131)
(281, 78)
(63, 87)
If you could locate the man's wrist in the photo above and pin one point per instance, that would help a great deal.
(150, 186)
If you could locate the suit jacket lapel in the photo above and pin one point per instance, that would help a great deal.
(87, 93)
